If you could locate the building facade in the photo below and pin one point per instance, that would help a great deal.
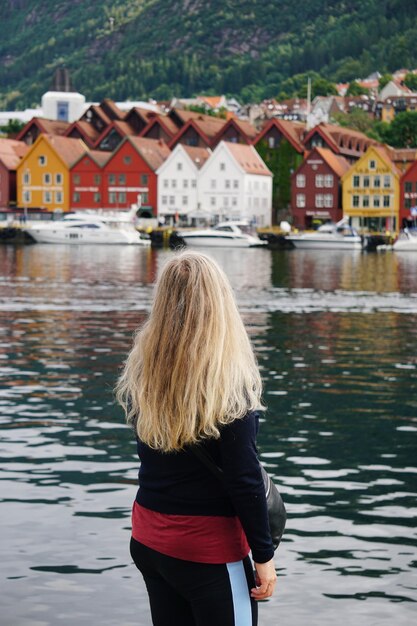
(408, 197)
(371, 192)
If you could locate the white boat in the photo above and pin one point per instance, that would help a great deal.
(340, 236)
(406, 242)
(89, 227)
(225, 234)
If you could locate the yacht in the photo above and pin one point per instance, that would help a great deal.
(225, 234)
(89, 227)
(407, 241)
(340, 236)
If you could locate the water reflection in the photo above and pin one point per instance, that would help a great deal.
(336, 341)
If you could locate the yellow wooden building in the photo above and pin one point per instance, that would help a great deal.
(371, 192)
(43, 175)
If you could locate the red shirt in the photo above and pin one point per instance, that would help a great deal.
(198, 538)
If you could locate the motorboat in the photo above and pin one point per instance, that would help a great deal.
(237, 234)
(89, 227)
(407, 241)
(340, 236)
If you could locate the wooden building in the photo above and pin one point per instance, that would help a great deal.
(316, 189)
(86, 180)
(38, 126)
(408, 197)
(11, 154)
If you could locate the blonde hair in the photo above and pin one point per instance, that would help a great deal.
(192, 367)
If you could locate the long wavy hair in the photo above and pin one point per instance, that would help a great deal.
(191, 368)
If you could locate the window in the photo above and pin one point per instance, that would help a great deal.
(356, 181)
(76, 196)
(407, 203)
(165, 183)
(97, 179)
(377, 201)
(164, 199)
(387, 201)
(127, 160)
(234, 201)
(143, 179)
(222, 166)
(372, 164)
(319, 200)
(26, 178)
(300, 200)
(319, 180)
(213, 201)
(145, 197)
(355, 201)
(42, 160)
(122, 179)
(97, 197)
(408, 187)
(27, 196)
(193, 183)
(58, 197)
(62, 109)
(122, 197)
(173, 183)
(112, 197)
(112, 179)
(46, 179)
(227, 184)
(185, 183)
(76, 179)
(185, 199)
(328, 180)
(225, 201)
(212, 184)
(171, 199)
(58, 179)
(300, 180)
(365, 201)
(271, 142)
(235, 184)
(47, 197)
(366, 181)
(179, 167)
(328, 200)
(377, 181)
(387, 181)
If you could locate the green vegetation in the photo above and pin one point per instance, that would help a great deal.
(152, 48)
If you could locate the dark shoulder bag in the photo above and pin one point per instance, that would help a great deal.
(277, 514)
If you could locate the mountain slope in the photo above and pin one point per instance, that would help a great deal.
(153, 48)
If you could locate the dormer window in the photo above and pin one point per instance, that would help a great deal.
(42, 160)
(372, 164)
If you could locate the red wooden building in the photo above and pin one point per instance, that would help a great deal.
(131, 171)
(11, 153)
(86, 180)
(316, 190)
(408, 196)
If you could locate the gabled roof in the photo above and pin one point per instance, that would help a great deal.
(100, 157)
(86, 130)
(247, 158)
(198, 155)
(402, 157)
(337, 163)
(292, 131)
(122, 128)
(205, 125)
(214, 102)
(12, 152)
(382, 152)
(110, 108)
(163, 120)
(342, 140)
(412, 166)
(153, 151)
(50, 127)
(67, 149)
(242, 126)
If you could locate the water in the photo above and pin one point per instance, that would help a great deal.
(336, 339)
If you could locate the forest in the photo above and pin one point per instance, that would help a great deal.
(140, 49)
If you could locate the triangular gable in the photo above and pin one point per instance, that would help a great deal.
(284, 130)
(141, 146)
(48, 139)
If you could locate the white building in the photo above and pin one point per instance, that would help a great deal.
(235, 184)
(178, 184)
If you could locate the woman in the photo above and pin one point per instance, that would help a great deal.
(191, 379)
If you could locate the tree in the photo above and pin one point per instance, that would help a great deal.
(403, 130)
(12, 128)
(358, 119)
(355, 89)
(384, 80)
(410, 81)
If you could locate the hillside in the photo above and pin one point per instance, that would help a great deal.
(153, 48)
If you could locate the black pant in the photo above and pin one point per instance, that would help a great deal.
(183, 593)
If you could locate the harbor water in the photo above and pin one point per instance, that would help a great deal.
(336, 337)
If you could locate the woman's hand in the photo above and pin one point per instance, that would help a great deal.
(265, 577)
